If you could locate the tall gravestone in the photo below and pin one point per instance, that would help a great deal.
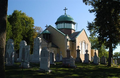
(10, 52)
(78, 59)
(86, 57)
(45, 59)
(57, 57)
(96, 60)
(52, 58)
(118, 60)
(103, 60)
(68, 53)
(26, 57)
(92, 58)
(36, 50)
(61, 56)
(115, 61)
(22, 45)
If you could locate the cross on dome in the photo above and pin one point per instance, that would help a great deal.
(65, 10)
(46, 26)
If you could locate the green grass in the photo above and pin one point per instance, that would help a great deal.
(81, 71)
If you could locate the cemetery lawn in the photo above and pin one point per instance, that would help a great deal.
(81, 71)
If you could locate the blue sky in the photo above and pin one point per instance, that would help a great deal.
(47, 11)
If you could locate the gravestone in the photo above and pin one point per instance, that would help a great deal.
(95, 61)
(86, 57)
(103, 60)
(61, 57)
(118, 60)
(92, 58)
(72, 62)
(36, 50)
(78, 59)
(22, 45)
(98, 59)
(68, 53)
(57, 57)
(15, 56)
(115, 61)
(52, 58)
(10, 52)
(26, 57)
(69, 61)
(45, 59)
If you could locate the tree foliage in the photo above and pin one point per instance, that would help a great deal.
(21, 27)
(116, 55)
(95, 45)
(106, 23)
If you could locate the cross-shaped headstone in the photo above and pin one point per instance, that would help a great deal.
(77, 47)
(86, 51)
(65, 10)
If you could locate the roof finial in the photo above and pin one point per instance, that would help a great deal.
(65, 10)
(46, 26)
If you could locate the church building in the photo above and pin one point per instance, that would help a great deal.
(64, 37)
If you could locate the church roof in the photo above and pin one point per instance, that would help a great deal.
(65, 18)
(46, 31)
(74, 35)
(57, 30)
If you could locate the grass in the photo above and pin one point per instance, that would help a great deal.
(81, 71)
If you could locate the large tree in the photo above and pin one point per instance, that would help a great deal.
(21, 27)
(107, 22)
(3, 20)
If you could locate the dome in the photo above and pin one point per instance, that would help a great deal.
(65, 18)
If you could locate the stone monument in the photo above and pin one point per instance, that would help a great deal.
(45, 59)
(95, 60)
(22, 45)
(86, 57)
(78, 59)
(26, 57)
(103, 60)
(10, 52)
(36, 50)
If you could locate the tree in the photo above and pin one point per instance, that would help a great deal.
(95, 45)
(107, 22)
(15, 21)
(116, 55)
(3, 20)
(8, 31)
(21, 27)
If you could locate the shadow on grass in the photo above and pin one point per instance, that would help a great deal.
(81, 71)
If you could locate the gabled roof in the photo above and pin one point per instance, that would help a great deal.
(56, 30)
(74, 35)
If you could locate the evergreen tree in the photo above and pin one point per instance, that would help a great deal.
(107, 22)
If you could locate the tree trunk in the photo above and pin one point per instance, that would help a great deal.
(3, 19)
(110, 53)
